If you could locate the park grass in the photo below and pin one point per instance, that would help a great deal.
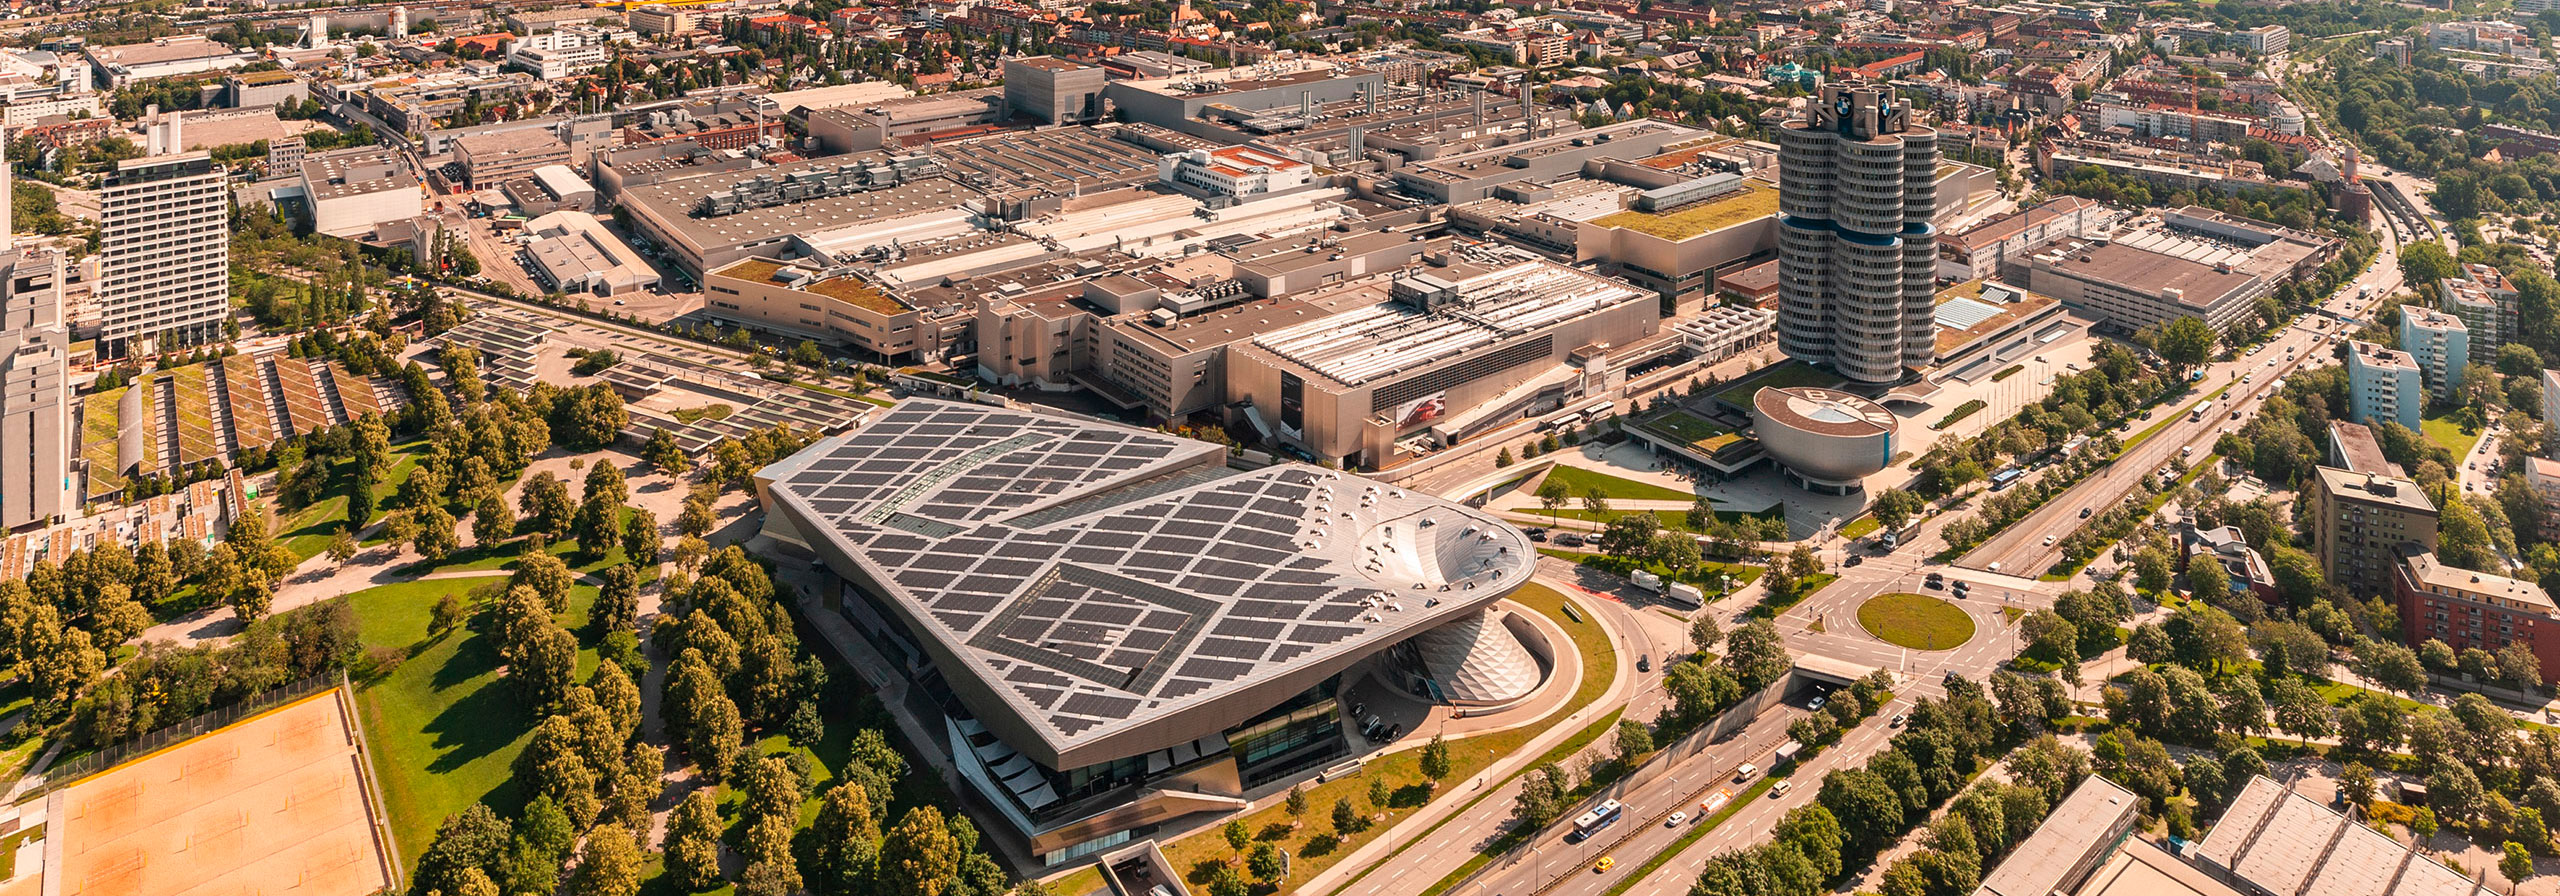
(444, 726)
(2441, 429)
(1198, 855)
(1860, 527)
(1916, 621)
(1962, 411)
(307, 532)
(1616, 488)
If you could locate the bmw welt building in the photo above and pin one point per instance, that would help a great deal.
(1118, 628)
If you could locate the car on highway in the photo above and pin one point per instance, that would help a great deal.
(1713, 802)
(1855, 559)
(1603, 866)
(1677, 819)
(1817, 702)
(2084, 512)
(1644, 663)
(1780, 789)
(1899, 718)
(1937, 580)
(2048, 541)
(1745, 772)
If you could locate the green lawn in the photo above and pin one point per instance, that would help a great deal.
(1776, 376)
(1670, 519)
(2440, 429)
(1860, 527)
(443, 724)
(1313, 843)
(1615, 488)
(1916, 621)
(1688, 429)
(307, 531)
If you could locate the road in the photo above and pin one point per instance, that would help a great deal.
(1553, 864)
(2031, 546)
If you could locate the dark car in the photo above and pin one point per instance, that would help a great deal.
(1644, 663)
(1854, 560)
(2084, 513)
(1569, 540)
(1538, 535)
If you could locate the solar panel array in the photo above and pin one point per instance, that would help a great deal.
(1008, 532)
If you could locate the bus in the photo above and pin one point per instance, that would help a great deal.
(1563, 423)
(2006, 478)
(1592, 822)
(2202, 410)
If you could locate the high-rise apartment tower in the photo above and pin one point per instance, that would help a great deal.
(1857, 255)
(164, 257)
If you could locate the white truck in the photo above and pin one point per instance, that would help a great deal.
(1786, 754)
(1684, 593)
(1646, 580)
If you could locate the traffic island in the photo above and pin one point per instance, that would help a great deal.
(1916, 621)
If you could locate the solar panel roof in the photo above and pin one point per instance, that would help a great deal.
(1096, 619)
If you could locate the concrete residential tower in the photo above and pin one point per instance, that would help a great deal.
(1857, 256)
(164, 260)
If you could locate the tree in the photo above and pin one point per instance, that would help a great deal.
(1893, 507)
(468, 843)
(1346, 819)
(1756, 654)
(1704, 632)
(617, 606)
(492, 522)
(1380, 795)
(693, 841)
(547, 575)
(1224, 881)
(1435, 760)
(545, 505)
(1238, 836)
(609, 865)
(2050, 637)
(662, 453)
(2424, 262)
(847, 837)
(2209, 580)
(1541, 799)
(588, 418)
(1296, 802)
(2517, 666)
(640, 538)
(919, 856)
(1267, 865)
(2516, 864)
(435, 532)
(2185, 342)
(1551, 497)
(1634, 740)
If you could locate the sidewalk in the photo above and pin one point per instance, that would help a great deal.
(1451, 848)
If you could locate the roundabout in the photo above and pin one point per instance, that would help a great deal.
(1916, 621)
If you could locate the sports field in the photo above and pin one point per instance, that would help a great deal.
(276, 804)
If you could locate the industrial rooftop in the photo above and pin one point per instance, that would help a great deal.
(1496, 301)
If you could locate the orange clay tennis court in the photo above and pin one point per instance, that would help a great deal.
(273, 806)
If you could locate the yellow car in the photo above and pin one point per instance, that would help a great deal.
(1603, 866)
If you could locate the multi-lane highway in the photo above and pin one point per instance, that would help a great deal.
(2031, 546)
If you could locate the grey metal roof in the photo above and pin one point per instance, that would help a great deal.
(1100, 579)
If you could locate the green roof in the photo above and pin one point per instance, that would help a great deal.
(1753, 200)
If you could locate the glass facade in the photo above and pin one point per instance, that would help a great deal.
(1293, 737)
